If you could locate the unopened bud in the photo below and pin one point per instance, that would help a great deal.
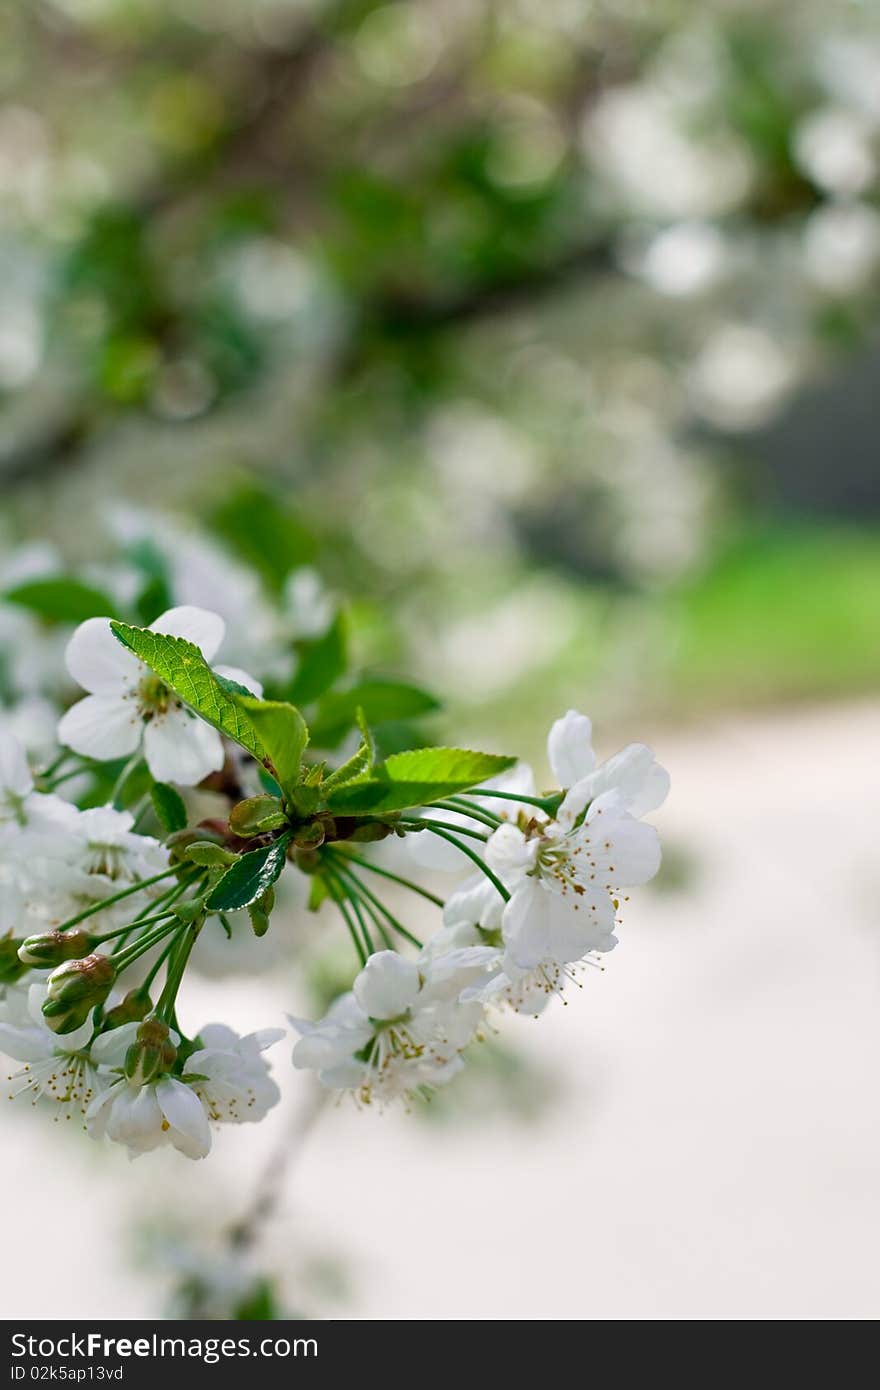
(260, 912)
(180, 841)
(54, 947)
(310, 836)
(88, 980)
(209, 855)
(191, 911)
(136, 1005)
(11, 968)
(151, 1054)
(308, 861)
(371, 831)
(65, 1018)
(256, 815)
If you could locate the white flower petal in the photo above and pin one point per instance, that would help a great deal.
(183, 1110)
(509, 853)
(109, 1049)
(103, 727)
(541, 925)
(15, 775)
(624, 852)
(204, 629)
(182, 748)
(98, 662)
(570, 748)
(387, 985)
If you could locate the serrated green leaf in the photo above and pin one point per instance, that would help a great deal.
(359, 763)
(249, 879)
(61, 599)
(380, 700)
(180, 665)
(283, 733)
(169, 806)
(416, 778)
(321, 662)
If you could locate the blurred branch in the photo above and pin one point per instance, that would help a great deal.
(245, 1233)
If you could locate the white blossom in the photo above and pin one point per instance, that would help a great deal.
(401, 1030)
(128, 706)
(225, 1081)
(57, 1067)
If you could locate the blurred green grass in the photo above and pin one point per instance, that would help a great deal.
(785, 613)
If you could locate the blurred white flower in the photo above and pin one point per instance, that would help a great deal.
(833, 146)
(841, 247)
(740, 377)
(684, 259)
(128, 706)
(658, 164)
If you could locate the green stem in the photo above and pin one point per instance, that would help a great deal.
(370, 896)
(386, 873)
(546, 803)
(57, 762)
(123, 778)
(444, 825)
(66, 776)
(454, 803)
(471, 854)
(355, 907)
(157, 966)
(164, 900)
(144, 943)
(176, 969)
(340, 903)
(115, 898)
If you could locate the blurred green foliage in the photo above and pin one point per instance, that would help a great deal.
(491, 300)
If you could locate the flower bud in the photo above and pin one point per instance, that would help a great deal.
(209, 855)
(54, 947)
(260, 912)
(89, 981)
(255, 815)
(136, 1005)
(180, 840)
(11, 968)
(190, 911)
(309, 836)
(65, 1018)
(151, 1054)
(371, 831)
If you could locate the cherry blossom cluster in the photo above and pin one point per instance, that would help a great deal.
(101, 904)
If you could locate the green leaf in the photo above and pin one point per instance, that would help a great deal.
(61, 599)
(169, 806)
(255, 815)
(359, 763)
(180, 665)
(380, 700)
(264, 533)
(283, 733)
(321, 662)
(417, 778)
(249, 879)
